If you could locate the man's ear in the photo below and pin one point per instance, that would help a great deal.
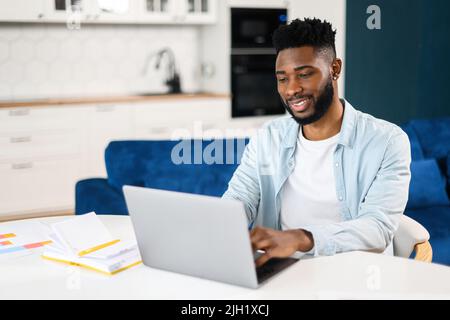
(336, 68)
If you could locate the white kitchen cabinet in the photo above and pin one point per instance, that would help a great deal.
(42, 155)
(106, 122)
(38, 119)
(75, 12)
(91, 11)
(31, 145)
(21, 10)
(176, 11)
(176, 119)
(112, 11)
(44, 151)
(40, 185)
(199, 11)
(156, 11)
(65, 11)
(37, 133)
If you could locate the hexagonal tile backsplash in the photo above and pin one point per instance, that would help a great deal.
(49, 61)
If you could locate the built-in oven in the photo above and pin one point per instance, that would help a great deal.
(254, 85)
(253, 81)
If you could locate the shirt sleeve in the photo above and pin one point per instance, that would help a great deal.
(378, 215)
(244, 185)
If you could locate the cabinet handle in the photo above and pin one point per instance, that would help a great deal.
(21, 166)
(105, 108)
(20, 139)
(19, 112)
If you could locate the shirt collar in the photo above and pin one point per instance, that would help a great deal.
(348, 128)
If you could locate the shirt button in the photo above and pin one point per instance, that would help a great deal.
(340, 198)
(337, 164)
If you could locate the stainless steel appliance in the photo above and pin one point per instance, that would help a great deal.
(253, 82)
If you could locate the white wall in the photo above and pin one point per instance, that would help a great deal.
(41, 61)
(48, 60)
(334, 11)
(215, 48)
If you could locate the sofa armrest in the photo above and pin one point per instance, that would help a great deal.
(97, 195)
(409, 234)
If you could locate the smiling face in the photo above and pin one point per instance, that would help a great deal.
(305, 84)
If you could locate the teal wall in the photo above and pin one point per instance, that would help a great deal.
(401, 71)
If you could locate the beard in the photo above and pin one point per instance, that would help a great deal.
(321, 105)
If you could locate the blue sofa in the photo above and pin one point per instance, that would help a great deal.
(430, 181)
(148, 164)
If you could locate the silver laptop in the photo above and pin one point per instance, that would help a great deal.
(197, 235)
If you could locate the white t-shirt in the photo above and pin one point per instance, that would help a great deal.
(308, 196)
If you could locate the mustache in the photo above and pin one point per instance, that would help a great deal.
(297, 97)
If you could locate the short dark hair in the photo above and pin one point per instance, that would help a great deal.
(308, 32)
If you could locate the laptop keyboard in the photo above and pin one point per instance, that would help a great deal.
(272, 267)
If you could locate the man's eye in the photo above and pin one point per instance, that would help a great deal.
(305, 75)
(281, 79)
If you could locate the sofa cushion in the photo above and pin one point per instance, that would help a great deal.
(156, 164)
(416, 149)
(427, 187)
(437, 222)
(448, 174)
(97, 195)
(434, 136)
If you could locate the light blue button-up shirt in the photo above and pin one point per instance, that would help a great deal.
(372, 173)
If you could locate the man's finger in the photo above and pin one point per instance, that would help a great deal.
(256, 230)
(263, 259)
(261, 244)
(256, 239)
(257, 235)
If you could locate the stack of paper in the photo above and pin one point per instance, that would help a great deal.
(84, 241)
(22, 237)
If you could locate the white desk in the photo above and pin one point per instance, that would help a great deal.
(350, 276)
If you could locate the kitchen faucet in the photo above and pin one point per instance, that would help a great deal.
(173, 78)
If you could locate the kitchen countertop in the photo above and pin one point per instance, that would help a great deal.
(106, 99)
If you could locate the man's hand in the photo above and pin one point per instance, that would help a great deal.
(279, 244)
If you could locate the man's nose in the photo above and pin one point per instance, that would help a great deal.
(294, 88)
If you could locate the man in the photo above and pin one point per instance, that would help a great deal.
(329, 178)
